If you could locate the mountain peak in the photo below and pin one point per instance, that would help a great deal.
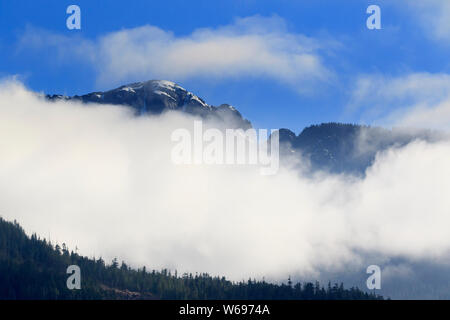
(157, 96)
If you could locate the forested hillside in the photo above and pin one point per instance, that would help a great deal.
(33, 268)
(347, 148)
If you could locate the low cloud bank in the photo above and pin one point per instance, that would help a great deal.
(98, 178)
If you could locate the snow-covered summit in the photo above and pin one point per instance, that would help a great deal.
(157, 95)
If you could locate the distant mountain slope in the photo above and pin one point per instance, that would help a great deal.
(31, 268)
(346, 148)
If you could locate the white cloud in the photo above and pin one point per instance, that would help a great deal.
(250, 47)
(434, 16)
(425, 116)
(414, 86)
(101, 179)
(413, 100)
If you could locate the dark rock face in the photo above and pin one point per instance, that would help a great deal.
(157, 96)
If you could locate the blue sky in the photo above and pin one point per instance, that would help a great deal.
(409, 43)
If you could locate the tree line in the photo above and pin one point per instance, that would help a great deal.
(34, 268)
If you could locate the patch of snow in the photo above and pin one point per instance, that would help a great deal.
(167, 85)
(138, 86)
(195, 98)
(127, 89)
(164, 94)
